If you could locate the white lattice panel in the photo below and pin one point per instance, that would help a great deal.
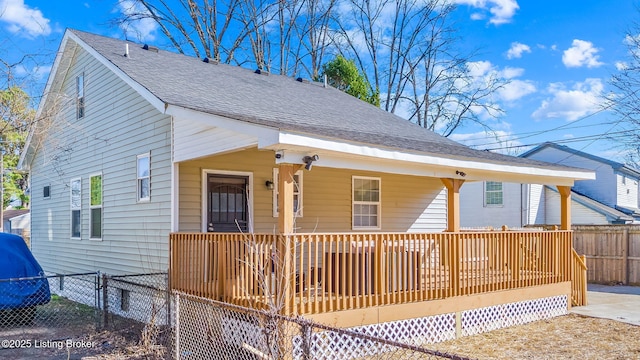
(496, 317)
(419, 331)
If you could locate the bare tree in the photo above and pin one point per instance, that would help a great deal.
(407, 50)
(20, 74)
(208, 28)
(282, 36)
(625, 99)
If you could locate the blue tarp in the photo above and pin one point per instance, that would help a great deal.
(17, 262)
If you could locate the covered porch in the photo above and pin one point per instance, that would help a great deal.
(354, 278)
(312, 274)
(380, 239)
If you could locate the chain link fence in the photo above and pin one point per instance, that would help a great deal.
(47, 315)
(207, 329)
(139, 307)
(99, 316)
(86, 315)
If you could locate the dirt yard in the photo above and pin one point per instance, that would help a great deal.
(567, 337)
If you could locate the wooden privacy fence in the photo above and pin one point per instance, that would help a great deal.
(319, 273)
(612, 252)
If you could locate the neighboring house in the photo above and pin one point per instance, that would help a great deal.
(16, 221)
(615, 185)
(148, 145)
(610, 198)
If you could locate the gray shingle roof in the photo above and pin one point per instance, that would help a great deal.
(280, 102)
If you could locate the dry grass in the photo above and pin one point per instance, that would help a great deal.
(567, 337)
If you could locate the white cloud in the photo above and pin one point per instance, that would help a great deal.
(581, 53)
(516, 89)
(23, 20)
(571, 103)
(516, 50)
(502, 11)
(511, 72)
(37, 72)
(621, 65)
(143, 29)
(513, 90)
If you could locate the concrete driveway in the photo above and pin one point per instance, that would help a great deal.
(621, 303)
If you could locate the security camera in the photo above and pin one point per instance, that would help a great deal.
(279, 154)
(308, 160)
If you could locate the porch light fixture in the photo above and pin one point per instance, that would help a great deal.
(308, 160)
(269, 184)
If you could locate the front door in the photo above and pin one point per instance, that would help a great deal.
(227, 208)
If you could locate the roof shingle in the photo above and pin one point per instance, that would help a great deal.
(280, 102)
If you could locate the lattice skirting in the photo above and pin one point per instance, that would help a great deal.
(433, 329)
(500, 316)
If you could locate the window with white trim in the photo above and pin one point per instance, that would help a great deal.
(493, 195)
(144, 177)
(76, 208)
(366, 203)
(80, 96)
(297, 193)
(96, 206)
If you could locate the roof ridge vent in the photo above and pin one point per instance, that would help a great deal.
(210, 61)
(260, 72)
(150, 48)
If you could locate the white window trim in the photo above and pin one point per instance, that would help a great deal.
(484, 194)
(203, 213)
(80, 98)
(72, 208)
(138, 178)
(91, 207)
(354, 203)
(299, 213)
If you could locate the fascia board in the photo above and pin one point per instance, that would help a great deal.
(423, 164)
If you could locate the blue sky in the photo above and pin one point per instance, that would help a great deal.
(558, 55)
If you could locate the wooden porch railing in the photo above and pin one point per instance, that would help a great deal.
(318, 273)
(579, 279)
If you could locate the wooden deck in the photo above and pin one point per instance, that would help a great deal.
(319, 273)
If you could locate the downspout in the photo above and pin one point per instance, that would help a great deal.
(522, 214)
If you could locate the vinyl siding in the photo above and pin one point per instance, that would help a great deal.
(409, 203)
(580, 214)
(627, 194)
(602, 189)
(193, 140)
(118, 125)
(537, 204)
(473, 212)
